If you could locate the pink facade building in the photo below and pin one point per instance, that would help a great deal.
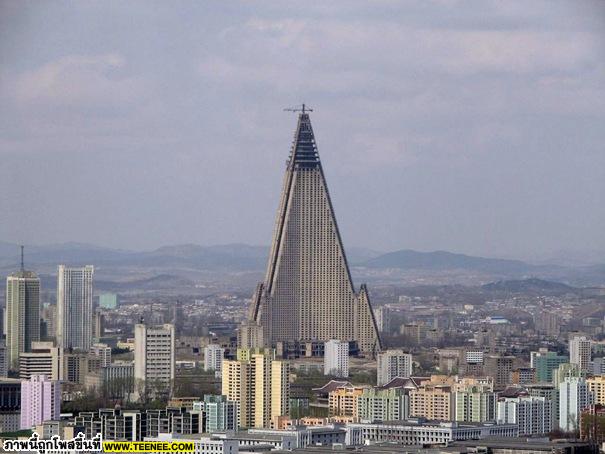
(40, 401)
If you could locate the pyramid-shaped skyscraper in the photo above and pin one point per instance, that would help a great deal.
(308, 293)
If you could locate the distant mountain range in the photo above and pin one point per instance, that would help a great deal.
(60, 253)
(532, 285)
(235, 256)
(442, 260)
(242, 257)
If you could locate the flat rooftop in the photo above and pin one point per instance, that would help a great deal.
(452, 448)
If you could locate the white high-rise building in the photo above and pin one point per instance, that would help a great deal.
(574, 396)
(213, 358)
(154, 360)
(533, 415)
(393, 363)
(383, 319)
(74, 307)
(336, 358)
(22, 314)
(580, 352)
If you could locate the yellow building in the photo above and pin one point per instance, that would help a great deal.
(280, 388)
(343, 401)
(313, 421)
(245, 354)
(235, 385)
(433, 399)
(597, 386)
(466, 383)
(261, 385)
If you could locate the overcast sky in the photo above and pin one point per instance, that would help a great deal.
(469, 126)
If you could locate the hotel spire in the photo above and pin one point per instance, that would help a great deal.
(308, 293)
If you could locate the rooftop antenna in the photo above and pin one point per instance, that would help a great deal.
(303, 108)
(22, 262)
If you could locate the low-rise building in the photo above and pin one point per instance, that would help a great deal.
(115, 381)
(43, 359)
(171, 420)
(201, 444)
(433, 399)
(523, 375)
(66, 430)
(422, 432)
(343, 401)
(134, 425)
(112, 424)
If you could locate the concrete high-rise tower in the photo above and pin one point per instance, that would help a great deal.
(22, 314)
(580, 352)
(40, 401)
(260, 384)
(308, 293)
(154, 360)
(213, 358)
(336, 358)
(391, 364)
(74, 307)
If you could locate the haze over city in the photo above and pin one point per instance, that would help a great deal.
(285, 227)
(473, 127)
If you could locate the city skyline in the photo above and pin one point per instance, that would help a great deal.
(428, 277)
(474, 127)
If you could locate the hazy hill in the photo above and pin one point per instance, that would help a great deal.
(442, 260)
(230, 255)
(72, 253)
(237, 257)
(539, 286)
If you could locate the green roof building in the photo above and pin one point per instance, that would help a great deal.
(108, 301)
(545, 363)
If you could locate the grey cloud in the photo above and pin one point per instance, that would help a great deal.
(472, 126)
